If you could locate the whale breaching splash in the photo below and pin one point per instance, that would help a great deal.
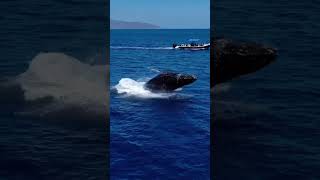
(58, 85)
(163, 86)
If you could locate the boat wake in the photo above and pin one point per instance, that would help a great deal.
(141, 48)
(130, 88)
(57, 83)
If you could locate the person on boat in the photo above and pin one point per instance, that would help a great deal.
(174, 45)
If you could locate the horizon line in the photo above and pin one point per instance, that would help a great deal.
(157, 28)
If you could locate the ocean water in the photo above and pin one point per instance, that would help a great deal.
(267, 123)
(51, 125)
(158, 135)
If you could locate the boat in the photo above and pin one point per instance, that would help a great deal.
(192, 46)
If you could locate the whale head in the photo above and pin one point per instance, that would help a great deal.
(185, 79)
(170, 81)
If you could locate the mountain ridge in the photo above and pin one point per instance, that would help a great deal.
(118, 24)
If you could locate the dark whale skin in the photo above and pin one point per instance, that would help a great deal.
(232, 59)
(169, 81)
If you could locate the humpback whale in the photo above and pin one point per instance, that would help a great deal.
(169, 81)
(232, 59)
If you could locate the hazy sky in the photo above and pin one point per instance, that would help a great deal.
(164, 13)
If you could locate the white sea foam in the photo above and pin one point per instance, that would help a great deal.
(67, 80)
(154, 69)
(131, 88)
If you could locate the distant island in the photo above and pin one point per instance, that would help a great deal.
(116, 24)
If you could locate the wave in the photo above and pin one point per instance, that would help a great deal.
(194, 40)
(141, 48)
(55, 82)
(156, 70)
(130, 88)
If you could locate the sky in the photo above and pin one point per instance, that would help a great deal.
(171, 14)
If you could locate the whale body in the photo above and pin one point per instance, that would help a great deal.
(232, 59)
(169, 81)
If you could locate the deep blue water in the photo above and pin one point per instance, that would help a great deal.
(267, 124)
(47, 145)
(155, 136)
